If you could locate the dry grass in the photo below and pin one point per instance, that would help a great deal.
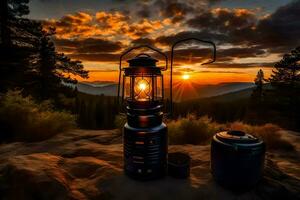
(193, 130)
(23, 119)
(267, 132)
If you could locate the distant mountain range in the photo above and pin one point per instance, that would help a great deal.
(98, 88)
(196, 91)
(181, 92)
(231, 96)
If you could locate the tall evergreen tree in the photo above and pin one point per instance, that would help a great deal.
(11, 11)
(285, 81)
(259, 81)
(55, 68)
(5, 35)
(28, 57)
(14, 50)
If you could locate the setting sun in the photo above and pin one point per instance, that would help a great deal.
(185, 76)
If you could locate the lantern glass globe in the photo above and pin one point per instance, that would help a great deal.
(142, 89)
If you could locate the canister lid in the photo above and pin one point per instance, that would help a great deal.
(179, 165)
(234, 136)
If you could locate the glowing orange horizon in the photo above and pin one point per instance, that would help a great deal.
(202, 78)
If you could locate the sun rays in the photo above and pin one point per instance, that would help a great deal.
(184, 88)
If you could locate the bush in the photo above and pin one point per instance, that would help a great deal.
(192, 130)
(268, 133)
(23, 119)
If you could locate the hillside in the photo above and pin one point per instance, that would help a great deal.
(191, 91)
(82, 165)
(232, 96)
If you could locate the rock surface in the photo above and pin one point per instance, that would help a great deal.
(88, 165)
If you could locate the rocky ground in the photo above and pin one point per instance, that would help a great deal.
(88, 165)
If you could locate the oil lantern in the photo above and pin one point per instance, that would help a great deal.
(145, 134)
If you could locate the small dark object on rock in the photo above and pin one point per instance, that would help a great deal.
(179, 165)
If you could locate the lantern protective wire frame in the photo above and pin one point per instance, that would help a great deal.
(172, 60)
(122, 69)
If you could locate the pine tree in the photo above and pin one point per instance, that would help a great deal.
(285, 78)
(287, 70)
(51, 69)
(10, 12)
(14, 51)
(28, 57)
(5, 35)
(259, 81)
(285, 81)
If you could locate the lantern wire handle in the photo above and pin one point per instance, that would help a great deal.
(128, 51)
(172, 58)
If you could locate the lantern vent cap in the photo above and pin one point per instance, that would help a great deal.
(142, 60)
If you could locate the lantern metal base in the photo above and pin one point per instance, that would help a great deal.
(145, 152)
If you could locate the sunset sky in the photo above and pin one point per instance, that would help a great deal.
(250, 34)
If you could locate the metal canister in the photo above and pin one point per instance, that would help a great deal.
(237, 159)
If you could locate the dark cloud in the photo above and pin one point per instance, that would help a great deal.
(196, 55)
(222, 72)
(97, 57)
(241, 52)
(215, 1)
(191, 55)
(281, 30)
(278, 32)
(174, 9)
(224, 20)
(90, 45)
(236, 25)
(144, 12)
(218, 38)
(143, 41)
(240, 65)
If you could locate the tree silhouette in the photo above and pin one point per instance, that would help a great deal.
(28, 56)
(287, 70)
(50, 69)
(285, 79)
(14, 47)
(10, 11)
(259, 81)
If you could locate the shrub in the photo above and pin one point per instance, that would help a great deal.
(269, 133)
(23, 119)
(192, 130)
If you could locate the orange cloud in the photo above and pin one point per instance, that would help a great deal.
(110, 25)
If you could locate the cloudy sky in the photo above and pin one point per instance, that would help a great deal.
(250, 34)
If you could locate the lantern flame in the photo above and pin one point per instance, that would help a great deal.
(142, 90)
(142, 86)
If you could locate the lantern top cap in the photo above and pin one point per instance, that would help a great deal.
(142, 60)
